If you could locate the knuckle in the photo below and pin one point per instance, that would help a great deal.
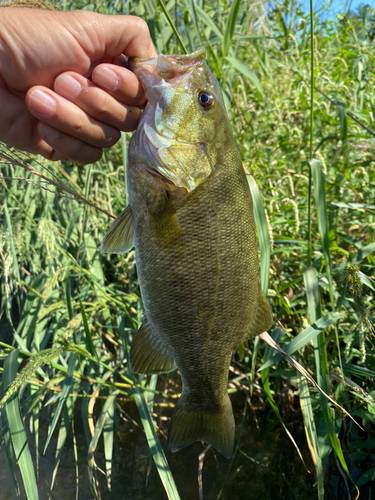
(141, 24)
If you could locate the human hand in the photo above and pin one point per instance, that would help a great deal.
(65, 90)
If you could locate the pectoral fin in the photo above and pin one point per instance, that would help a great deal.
(262, 319)
(120, 236)
(148, 354)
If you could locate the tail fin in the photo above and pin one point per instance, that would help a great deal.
(190, 422)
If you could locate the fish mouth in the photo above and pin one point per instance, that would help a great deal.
(176, 69)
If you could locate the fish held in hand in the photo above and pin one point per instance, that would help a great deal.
(191, 220)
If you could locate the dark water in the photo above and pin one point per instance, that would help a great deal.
(272, 470)
(268, 468)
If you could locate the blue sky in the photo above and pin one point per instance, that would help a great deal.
(337, 6)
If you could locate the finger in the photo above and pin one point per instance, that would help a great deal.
(97, 103)
(120, 82)
(66, 117)
(68, 147)
(18, 127)
(127, 35)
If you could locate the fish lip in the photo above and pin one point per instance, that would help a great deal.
(167, 66)
(198, 54)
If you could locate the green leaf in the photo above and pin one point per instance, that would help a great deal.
(155, 447)
(276, 335)
(173, 27)
(63, 396)
(229, 28)
(363, 253)
(320, 200)
(311, 434)
(11, 242)
(89, 342)
(366, 280)
(322, 440)
(106, 413)
(369, 475)
(17, 430)
(304, 337)
(263, 236)
(246, 71)
(67, 418)
(208, 21)
(341, 111)
(108, 437)
(9, 451)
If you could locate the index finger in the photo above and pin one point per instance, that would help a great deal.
(115, 35)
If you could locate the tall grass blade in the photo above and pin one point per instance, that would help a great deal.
(266, 385)
(304, 337)
(67, 418)
(313, 302)
(230, 25)
(311, 434)
(66, 389)
(11, 242)
(363, 253)
(9, 451)
(246, 71)
(17, 429)
(171, 24)
(206, 19)
(341, 111)
(267, 338)
(89, 343)
(99, 428)
(321, 363)
(263, 236)
(320, 200)
(155, 447)
(366, 280)
(108, 438)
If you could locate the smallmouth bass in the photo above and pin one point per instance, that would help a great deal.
(191, 220)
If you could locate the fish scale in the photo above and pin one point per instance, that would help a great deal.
(195, 243)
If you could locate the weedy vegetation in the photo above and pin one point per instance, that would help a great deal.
(299, 89)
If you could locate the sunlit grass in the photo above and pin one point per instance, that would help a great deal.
(82, 310)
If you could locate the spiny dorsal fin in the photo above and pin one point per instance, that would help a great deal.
(148, 354)
(120, 236)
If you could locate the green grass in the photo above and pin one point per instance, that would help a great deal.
(74, 313)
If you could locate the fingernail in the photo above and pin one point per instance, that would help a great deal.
(48, 133)
(106, 78)
(42, 103)
(67, 86)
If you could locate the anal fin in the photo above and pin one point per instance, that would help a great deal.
(120, 236)
(148, 354)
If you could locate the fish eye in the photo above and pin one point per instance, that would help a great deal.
(205, 99)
